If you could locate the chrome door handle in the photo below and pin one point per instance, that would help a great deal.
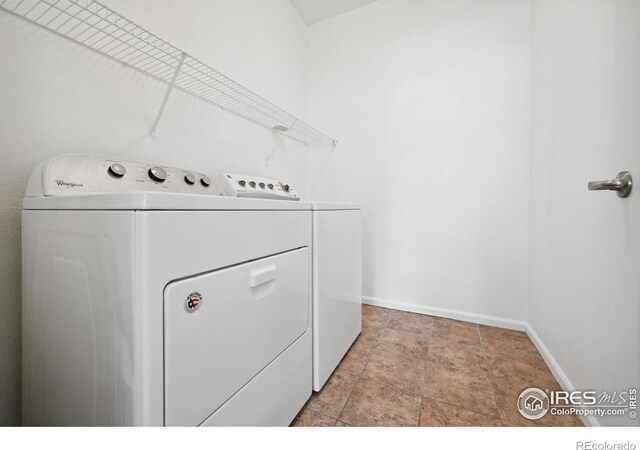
(622, 183)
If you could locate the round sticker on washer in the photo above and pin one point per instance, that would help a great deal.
(193, 301)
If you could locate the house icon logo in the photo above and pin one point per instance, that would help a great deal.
(533, 403)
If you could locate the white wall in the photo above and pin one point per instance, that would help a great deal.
(430, 102)
(585, 291)
(58, 97)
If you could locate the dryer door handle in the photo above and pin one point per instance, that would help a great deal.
(263, 275)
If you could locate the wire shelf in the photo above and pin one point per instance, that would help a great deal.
(99, 28)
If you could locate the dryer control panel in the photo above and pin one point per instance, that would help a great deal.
(256, 187)
(87, 174)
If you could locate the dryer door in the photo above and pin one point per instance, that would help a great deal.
(222, 328)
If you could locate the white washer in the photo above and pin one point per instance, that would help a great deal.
(149, 299)
(337, 286)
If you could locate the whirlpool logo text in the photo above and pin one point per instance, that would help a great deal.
(69, 184)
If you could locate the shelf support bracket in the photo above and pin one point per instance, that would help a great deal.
(166, 95)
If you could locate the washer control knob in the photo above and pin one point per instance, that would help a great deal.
(242, 183)
(190, 178)
(262, 185)
(286, 187)
(117, 170)
(252, 184)
(205, 180)
(270, 186)
(158, 174)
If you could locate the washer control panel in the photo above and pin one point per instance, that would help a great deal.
(256, 187)
(83, 174)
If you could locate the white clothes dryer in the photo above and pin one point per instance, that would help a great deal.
(150, 299)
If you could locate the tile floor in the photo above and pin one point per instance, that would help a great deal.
(410, 369)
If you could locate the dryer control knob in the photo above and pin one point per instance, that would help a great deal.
(206, 181)
(117, 170)
(190, 178)
(242, 183)
(286, 187)
(252, 184)
(158, 174)
(262, 185)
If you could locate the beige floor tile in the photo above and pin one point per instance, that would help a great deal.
(469, 357)
(472, 391)
(438, 414)
(376, 404)
(354, 361)
(404, 342)
(514, 344)
(446, 331)
(310, 418)
(333, 395)
(505, 370)
(342, 424)
(401, 371)
(414, 323)
(396, 313)
(501, 333)
(370, 334)
(372, 316)
(367, 340)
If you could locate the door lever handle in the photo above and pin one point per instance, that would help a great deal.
(622, 184)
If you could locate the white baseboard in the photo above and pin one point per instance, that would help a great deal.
(493, 321)
(558, 373)
(447, 313)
